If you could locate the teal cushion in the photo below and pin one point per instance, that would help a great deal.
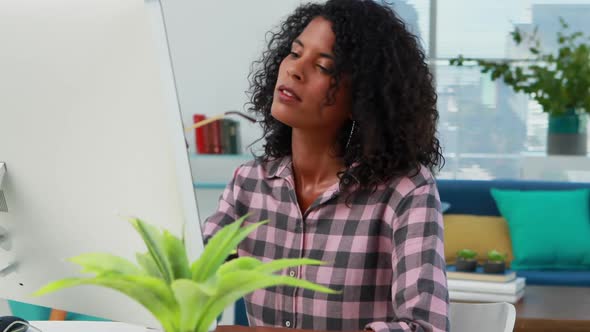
(34, 312)
(548, 229)
(29, 311)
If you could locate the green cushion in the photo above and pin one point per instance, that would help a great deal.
(548, 229)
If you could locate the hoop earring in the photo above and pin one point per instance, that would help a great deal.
(350, 136)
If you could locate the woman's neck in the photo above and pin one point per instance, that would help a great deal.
(314, 160)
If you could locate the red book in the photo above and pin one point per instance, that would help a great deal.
(200, 135)
(214, 129)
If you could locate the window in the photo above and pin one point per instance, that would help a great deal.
(485, 128)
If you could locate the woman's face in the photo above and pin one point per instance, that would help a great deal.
(301, 93)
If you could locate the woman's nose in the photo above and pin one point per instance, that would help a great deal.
(295, 70)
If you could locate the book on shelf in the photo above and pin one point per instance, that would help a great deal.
(475, 286)
(452, 273)
(200, 143)
(236, 140)
(229, 136)
(218, 137)
(214, 137)
(485, 297)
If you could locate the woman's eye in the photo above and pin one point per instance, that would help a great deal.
(324, 69)
(293, 54)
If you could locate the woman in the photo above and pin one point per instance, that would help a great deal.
(349, 121)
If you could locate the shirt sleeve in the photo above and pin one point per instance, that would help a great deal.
(225, 213)
(419, 291)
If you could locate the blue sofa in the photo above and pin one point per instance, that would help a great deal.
(473, 197)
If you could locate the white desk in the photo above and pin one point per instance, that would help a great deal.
(85, 326)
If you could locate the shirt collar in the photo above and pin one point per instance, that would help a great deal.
(283, 168)
(280, 167)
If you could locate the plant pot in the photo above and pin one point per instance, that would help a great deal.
(567, 134)
(465, 265)
(494, 267)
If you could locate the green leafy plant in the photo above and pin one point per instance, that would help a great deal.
(496, 256)
(185, 297)
(466, 254)
(558, 82)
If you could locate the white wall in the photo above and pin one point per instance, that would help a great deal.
(213, 44)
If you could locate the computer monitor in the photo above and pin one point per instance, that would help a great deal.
(90, 132)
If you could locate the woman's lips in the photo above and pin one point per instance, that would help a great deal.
(287, 95)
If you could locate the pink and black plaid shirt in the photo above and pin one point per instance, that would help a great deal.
(385, 252)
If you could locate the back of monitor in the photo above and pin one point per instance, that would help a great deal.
(91, 133)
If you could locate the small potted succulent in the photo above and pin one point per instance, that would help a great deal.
(496, 262)
(466, 260)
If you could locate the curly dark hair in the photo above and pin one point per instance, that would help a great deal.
(393, 98)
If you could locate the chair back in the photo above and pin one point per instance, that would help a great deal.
(482, 317)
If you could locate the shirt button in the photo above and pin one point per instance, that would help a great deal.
(292, 273)
(288, 324)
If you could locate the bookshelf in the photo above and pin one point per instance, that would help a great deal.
(211, 174)
(211, 171)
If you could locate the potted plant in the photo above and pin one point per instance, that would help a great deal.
(185, 297)
(559, 82)
(496, 262)
(466, 260)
